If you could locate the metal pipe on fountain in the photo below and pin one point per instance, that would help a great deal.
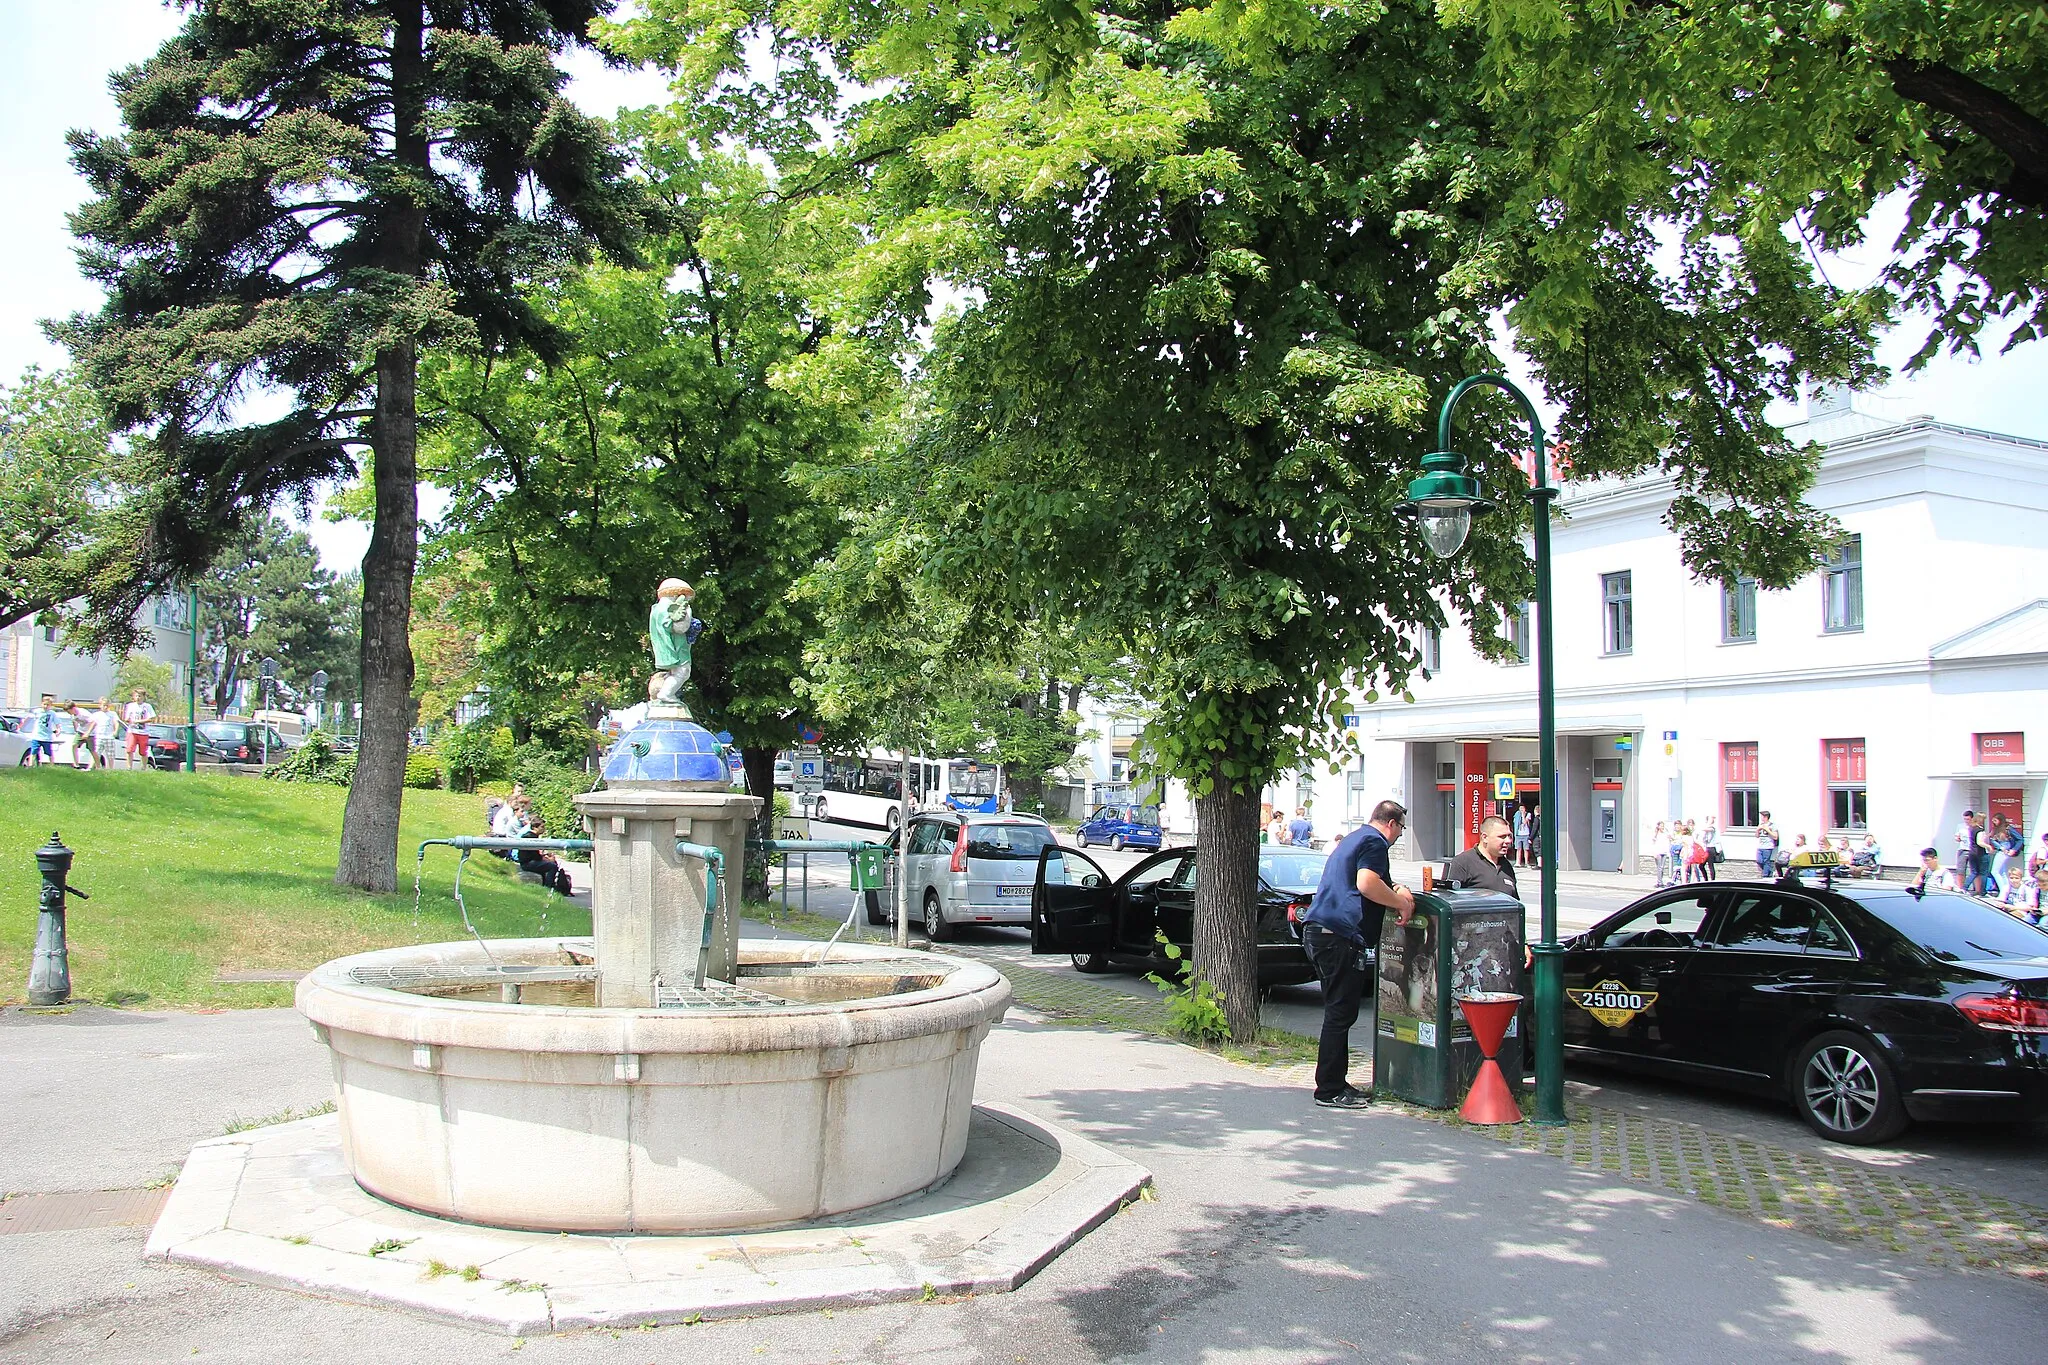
(714, 863)
(472, 842)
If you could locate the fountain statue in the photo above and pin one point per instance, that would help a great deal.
(664, 1074)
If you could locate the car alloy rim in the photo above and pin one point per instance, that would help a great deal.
(931, 918)
(1841, 1088)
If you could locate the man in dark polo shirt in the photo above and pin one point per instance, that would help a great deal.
(1486, 866)
(1356, 891)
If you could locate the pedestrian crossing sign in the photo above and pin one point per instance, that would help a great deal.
(1503, 786)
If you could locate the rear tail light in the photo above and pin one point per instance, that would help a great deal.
(960, 852)
(1296, 909)
(2007, 1012)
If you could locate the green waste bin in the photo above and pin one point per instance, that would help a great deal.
(1458, 942)
(867, 867)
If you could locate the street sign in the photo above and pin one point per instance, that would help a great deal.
(810, 786)
(1503, 786)
(808, 734)
(807, 751)
(795, 827)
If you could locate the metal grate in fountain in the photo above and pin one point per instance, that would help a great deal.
(400, 977)
(714, 995)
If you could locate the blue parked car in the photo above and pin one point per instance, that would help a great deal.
(1121, 827)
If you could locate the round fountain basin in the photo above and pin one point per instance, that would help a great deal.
(475, 1083)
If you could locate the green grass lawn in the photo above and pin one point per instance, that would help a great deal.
(194, 875)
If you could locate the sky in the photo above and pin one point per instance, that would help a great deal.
(56, 55)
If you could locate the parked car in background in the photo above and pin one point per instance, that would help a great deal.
(1121, 827)
(64, 748)
(234, 740)
(164, 746)
(13, 746)
(1866, 1006)
(1107, 924)
(966, 868)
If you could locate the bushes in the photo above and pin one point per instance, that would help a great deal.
(475, 753)
(552, 786)
(315, 761)
(422, 769)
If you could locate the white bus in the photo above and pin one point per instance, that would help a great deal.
(867, 791)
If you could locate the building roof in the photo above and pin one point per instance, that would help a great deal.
(2020, 632)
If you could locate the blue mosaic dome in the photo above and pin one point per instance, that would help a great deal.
(667, 751)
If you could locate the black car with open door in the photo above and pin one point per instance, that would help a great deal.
(1866, 1006)
(1107, 923)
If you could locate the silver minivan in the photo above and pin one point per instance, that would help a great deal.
(966, 869)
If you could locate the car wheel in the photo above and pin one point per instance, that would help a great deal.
(1093, 964)
(1080, 839)
(893, 818)
(1844, 1090)
(1116, 842)
(818, 812)
(876, 915)
(25, 755)
(935, 927)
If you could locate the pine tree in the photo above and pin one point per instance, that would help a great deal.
(307, 192)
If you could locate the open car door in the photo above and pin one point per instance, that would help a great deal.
(1073, 904)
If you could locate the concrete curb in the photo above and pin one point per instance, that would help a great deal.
(276, 1206)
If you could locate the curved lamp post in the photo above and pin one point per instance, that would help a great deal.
(1442, 502)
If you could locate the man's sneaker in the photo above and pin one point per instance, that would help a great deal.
(1350, 1097)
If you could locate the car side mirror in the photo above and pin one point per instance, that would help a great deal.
(1090, 879)
(1663, 917)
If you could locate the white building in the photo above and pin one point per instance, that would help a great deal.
(1905, 683)
(36, 661)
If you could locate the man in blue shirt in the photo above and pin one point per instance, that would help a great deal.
(1356, 891)
(1299, 830)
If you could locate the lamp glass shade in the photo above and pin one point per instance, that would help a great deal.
(1445, 529)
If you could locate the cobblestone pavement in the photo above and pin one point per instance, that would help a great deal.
(1890, 1210)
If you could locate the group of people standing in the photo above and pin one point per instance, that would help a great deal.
(1992, 862)
(96, 731)
(1689, 852)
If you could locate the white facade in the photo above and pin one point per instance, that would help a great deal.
(33, 659)
(1949, 643)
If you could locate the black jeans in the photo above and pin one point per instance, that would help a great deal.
(1340, 966)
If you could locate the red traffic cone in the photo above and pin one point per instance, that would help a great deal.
(1490, 1101)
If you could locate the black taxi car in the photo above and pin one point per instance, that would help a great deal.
(1104, 923)
(1867, 1005)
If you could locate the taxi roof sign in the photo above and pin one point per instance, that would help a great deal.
(1818, 858)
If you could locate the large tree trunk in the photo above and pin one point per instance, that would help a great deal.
(759, 765)
(369, 825)
(1227, 903)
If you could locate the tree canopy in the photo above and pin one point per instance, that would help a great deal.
(307, 191)
(1784, 125)
(265, 596)
(1215, 264)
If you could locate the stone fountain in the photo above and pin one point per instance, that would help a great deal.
(662, 1076)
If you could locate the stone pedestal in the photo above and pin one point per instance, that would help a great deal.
(647, 902)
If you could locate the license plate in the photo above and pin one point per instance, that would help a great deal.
(1006, 891)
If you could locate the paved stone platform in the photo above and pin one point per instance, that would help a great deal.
(277, 1206)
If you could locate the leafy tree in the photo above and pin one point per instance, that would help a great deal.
(266, 596)
(69, 516)
(140, 673)
(665, 442)
(306, 192)
(1781, 126)
(1218, 262)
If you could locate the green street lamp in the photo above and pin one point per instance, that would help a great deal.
(1442, 502)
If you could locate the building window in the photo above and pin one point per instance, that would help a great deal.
(1842, 586)
(1432, 650)
(1739, 786)
(1847, 803)
(1738, 612)
(1518, 631)
(1617, 593)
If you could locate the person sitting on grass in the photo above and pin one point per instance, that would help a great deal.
(546, 866)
